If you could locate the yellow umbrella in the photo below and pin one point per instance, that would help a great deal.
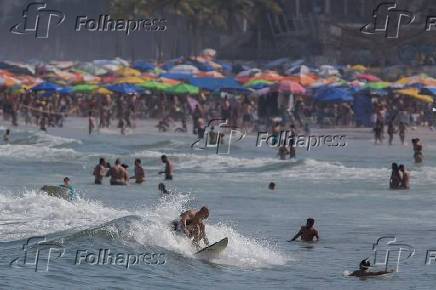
(131, 80)
(414, 93)
(103, 91)
(128, 72)
(359, 68)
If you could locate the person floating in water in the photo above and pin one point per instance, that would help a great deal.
(271, 186)
(394, 181)
(191, 224)
(307, 232)
(364, 270)
(139, 172)
(6, 136)
(100, 171)
(72, 195)
(168, 168)
(417, 149)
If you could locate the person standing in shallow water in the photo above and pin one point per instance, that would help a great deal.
(307, 232)
(139, 172)
(394, 181)
(402, 132)
(168, 168)
(417, 149)
(391, 132)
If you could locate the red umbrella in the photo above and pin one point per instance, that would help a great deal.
(291, 87)
(368, 78)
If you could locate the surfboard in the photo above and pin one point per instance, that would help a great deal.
(56, 191)
(215, 248)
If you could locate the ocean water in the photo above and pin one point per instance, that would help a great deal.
(344, 189)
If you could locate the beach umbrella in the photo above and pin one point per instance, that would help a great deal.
(47, 86)
(103, 91)
(218, 84)
(84, 88)
(328, 70)
(183, 89)
(333, 94)
(368, 78)
(377, 85)
(212, 74)
(290, 87)
(258, 84)
(414, 93)
(66, 91)
(177, 76)
(359, 68)
(184, 68)
(131, 80)
(154, 85)
(128, 72)
(298, 69)
(428, 91)
(143, 66)
(123, 88)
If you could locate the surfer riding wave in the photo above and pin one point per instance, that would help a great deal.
(191, 224)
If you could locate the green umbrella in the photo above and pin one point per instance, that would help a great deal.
(182, 89)
(84, 88)
(154, 86)
(377, 85)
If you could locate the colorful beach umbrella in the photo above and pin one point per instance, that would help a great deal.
(154, 85)
(183, 89)
(47, 86)
(84, 88)
(290, 87)
(123, 89)
(414, 93)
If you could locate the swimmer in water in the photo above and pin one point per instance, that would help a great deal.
(72, 195)
(364, 270)
(6, 136)
(307, 232)
(163, 189)
(271, 186)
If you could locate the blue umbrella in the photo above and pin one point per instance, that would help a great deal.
(428, 91)
(143, 66)
(123, 88)
(333, 94)
(177, 76)
(66, 91)
(47, 86)
(217, 84)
